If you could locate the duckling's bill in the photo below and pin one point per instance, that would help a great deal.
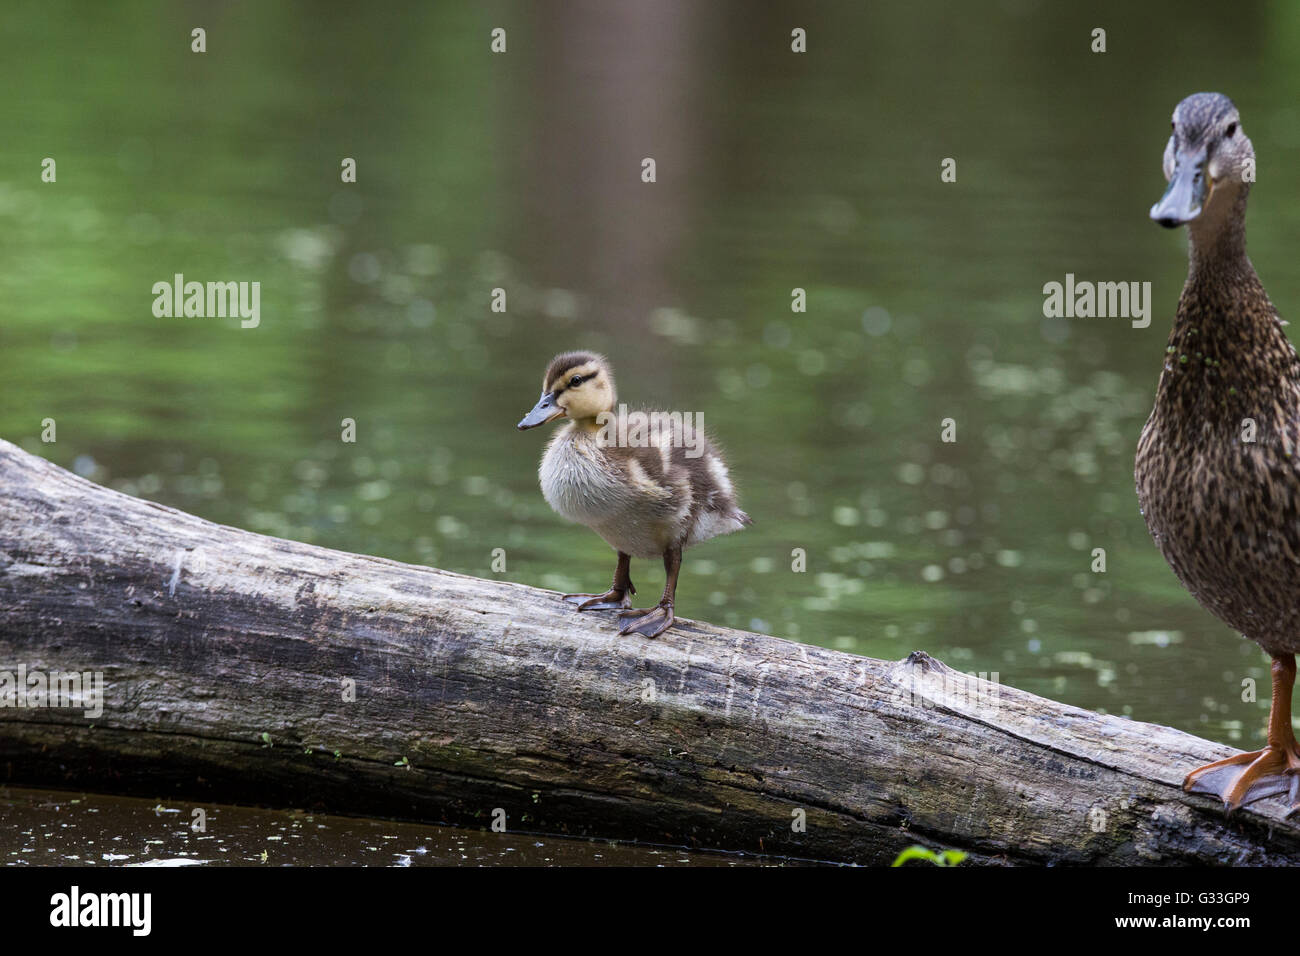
(546, 410)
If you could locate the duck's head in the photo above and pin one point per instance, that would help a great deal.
(1207, 161)
(577, 385)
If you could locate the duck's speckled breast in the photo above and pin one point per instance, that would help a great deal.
(1223, 512)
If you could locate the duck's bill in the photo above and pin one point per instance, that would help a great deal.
(1185, 197)
(544, 411)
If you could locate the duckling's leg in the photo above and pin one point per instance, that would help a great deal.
(653, 621)
(619, 594)
(1245, 778)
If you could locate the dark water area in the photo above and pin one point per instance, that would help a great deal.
(57, 828)
(521, 171)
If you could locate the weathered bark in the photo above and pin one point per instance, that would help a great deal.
(473, 695)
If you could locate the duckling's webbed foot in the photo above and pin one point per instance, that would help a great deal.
(613, 598)
(619, 594)
(650, 621)
(653, 621)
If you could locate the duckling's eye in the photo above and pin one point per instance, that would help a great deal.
(1230, 131)
(576, 381)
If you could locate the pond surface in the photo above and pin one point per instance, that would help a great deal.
(58, 828)
(774, 171)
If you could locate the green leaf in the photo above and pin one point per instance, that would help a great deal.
(947, 858)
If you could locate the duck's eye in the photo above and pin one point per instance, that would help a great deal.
(576, 381)
(1231, 131)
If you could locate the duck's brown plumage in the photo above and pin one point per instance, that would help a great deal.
(1225, 512)
(1217, 474)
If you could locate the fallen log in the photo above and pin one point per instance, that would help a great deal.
(244, 668)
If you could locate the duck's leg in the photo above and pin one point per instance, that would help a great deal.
(653, 621)
(1248, 777)
(619, 593)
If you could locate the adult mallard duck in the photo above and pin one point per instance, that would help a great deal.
(650, 491)
(1217, 476)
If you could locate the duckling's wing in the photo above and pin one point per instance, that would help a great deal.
(676, 476)
(715, 509)
(645, 477)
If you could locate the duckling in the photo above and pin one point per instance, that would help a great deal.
(648, 495)
(1224, 509)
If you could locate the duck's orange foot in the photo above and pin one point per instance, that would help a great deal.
(650, 622)
(1242, 779)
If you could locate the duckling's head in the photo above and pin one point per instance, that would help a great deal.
(1209, 163)
(577, 385)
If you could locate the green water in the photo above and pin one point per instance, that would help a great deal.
(774, 171)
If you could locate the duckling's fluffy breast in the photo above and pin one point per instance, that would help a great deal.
(642, 499)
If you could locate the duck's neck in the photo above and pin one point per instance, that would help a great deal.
(1217, 245)
(1227, 348)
